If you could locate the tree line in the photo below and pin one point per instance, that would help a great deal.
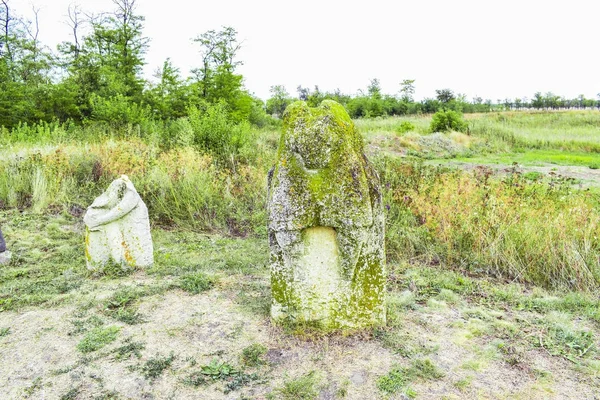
(96, 77)
(372, 103)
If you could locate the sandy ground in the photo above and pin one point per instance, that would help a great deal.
(39, 359)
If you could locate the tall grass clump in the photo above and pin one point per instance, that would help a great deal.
(181, 186)
(541, 232)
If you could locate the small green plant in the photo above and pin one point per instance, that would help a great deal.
(120, 305)
(447, 120)
(98, 338)
(463, 384)
(252, 355)
(197, 282)
(71, 394)
(399, 378)
(129, 348)
(302, 388)
(566, 341)
(195, 379)
(218, 369)
(4, 332)
(155, 366)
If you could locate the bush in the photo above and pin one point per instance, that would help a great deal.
(405, 126)
(448, 120)
(216, 132)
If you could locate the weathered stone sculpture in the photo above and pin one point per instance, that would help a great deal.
(326, 223)
(4, 254)
(118, 228)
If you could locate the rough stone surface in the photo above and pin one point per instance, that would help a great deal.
(118, 228)
(326, 223)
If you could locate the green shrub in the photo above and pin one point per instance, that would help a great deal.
(447, 120)
(405, 126)
(216, 132)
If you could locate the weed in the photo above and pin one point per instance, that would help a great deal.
(110, 395)
(128, 349)
(302, 388)
(399, 378)
(120, 305)
(218, 370)
(463, 384)
(34, 387)
(97, 338)
(252, 355)
(195, 379)
(155, 366)
(197, 282)
(561, 339)
(70, 395)
(342, 391)
(4, 331)
(83, 325)
(238, 381)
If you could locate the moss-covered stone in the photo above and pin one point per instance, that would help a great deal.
(326, 222)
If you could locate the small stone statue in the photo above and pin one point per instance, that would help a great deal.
(118, 228)
(4, 254)
(326, 223)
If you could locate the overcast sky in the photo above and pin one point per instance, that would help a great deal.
(481, 48)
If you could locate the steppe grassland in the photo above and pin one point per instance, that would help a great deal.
(491, 278)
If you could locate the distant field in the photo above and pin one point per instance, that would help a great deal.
(560, 137)
(569, 130)
(538, 158)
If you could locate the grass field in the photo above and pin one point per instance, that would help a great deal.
(492, 289)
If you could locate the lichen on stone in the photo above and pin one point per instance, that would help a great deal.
(323, 189)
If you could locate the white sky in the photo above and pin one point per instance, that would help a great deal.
(481, 48)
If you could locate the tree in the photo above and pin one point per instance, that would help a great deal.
(168, 97)
(25, 67)
(303, 92)
(374, 89)
(216, 79)
(106, 65)
(279, 100)
(407, 90)
(537, 101)
(445, 95)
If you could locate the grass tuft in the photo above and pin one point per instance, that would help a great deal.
(98, 338)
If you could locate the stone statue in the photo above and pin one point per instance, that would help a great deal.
(2, 243)
(326, 223)
(4, 254)
(118, 228)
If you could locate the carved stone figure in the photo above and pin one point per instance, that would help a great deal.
(326, 223)
(118, 228)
